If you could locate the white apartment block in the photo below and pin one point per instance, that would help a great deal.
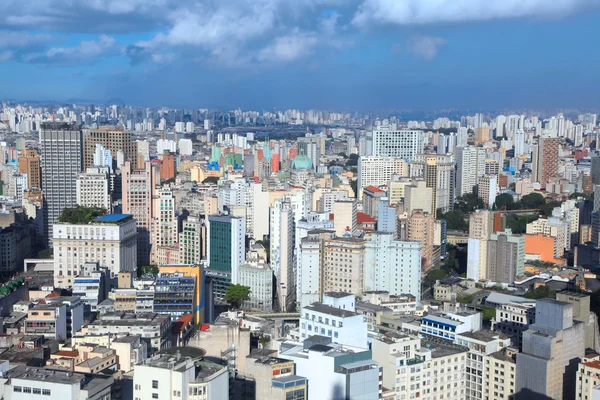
(258, 276)
(93, 188)
(392, 265)
(448, 325)
(344, 327)
(377, 171)
(470, 165)
(110, 241)
(388, 140)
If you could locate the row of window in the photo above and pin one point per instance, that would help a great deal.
(20, 389)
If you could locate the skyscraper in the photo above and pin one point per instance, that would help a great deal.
(545, 160)
(62, 160)
(114, 138)
(388, 141)
(29, 163)
(470, 165)
(226, 250)
(137, 200)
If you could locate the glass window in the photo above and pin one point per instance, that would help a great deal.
(154, 384)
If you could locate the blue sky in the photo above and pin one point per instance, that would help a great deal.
(355, 54)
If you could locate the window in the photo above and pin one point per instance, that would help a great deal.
(37, 391)
(154, 384)
(46, 392)
(26, 390)
(155, 395)
(18, 389)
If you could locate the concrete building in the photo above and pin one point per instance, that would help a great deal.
(29, 163)
(91, 285)
(420, 227)
(172, 377)
(62, 160)
(263, 368)
(258, 276)
(392, 265)
(377, 171)
(449, 325)
(470, 165)
(130, 350)
(502, 374)
(48, 320)
(93, 188)
(343, 260)
(545, 160)
(417, 195)
(282, 231)
(588, 377)
(439, 174)
(24, 383)
(192, 240)
(370, 199)
(226, 250)
(342, 326)
(179, 290)
(155, 329)
(582, 313)
(421, 368)
(552, 349)
(481, 345)
(110, 240)
(389, 141)
(137, 186)
(112, 137)
(487, 189)
(506, 257)
(334, 371)
(513, 319)
(344, 217)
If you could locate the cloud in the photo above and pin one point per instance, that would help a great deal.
(415, 12)
(289, 48)
(85, 52)
(6, 55)
(424, 47)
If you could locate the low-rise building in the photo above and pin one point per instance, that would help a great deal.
(131, 350)
(448, 325)
(513, 319)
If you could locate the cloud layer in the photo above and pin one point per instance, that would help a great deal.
(237, 33)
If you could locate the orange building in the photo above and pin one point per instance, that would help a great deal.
(29, 163)
(275, 163)
(167, 167)
(541, 246)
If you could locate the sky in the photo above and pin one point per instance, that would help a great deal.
(325, 54)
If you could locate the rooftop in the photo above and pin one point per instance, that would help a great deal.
(46, 375)
(484, 336)
(338, 295)
(325, 309)
(114, 218)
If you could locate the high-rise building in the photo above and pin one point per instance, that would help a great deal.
(192, 239)
(93, 188)
(344, 217)
(545, 160)
(438, 173)
(226, 251)
(62, 160)
(389, 141)
(110, 240)
(487, 189)
(377, 171)
(179, 290)
(167, 166)
(114, 138)
(469, 166)
(392, 265)
(506, 257)
(258, 276)
(282, 230)
(29, 163)
(164, 231)
(552, 348)
(343, 260)
(137, 186)
(420, 227)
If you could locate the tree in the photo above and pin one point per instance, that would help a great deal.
(541, 292)
(532, 200)
(518, 223)
(455, 220)
(468, 203)
(46, 253)
(504, 201)
(235, 295)
(147, 270)
(81, 215)
(211, 179)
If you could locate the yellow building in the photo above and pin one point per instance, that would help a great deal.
(190, 271)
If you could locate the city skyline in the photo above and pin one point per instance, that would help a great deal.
(367, 54)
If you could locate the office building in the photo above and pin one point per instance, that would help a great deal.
(29, 163)
(470, 165)
(334, 371)
(506, 257)
(344, 217)
(93, 188)
(164, 230)
(113, 138)
(282, 241)
(343, 260)
(109, 240)
(389, 141)
(137, 187)
(226, 251)
(258, 276)
(62, 161)
(392, 265)
(377, 171)
(192, 240)
(170, 376)
(552, 349)
(545, 160)
(179, 290)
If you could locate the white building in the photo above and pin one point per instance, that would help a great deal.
(342, 326)
(257, 223)
(165, 144)
(334, 371)
(392, 265)
(448, 325)
(93, 188)
(110, 240)
(282, 230)
(26, 383)
(389, 141)
(377, 171)
(258, 276)
(423, 369)
(185, 147)
(174, 377)
(470, 165)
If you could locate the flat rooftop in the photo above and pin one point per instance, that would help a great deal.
(325, 309)
(114, 218)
